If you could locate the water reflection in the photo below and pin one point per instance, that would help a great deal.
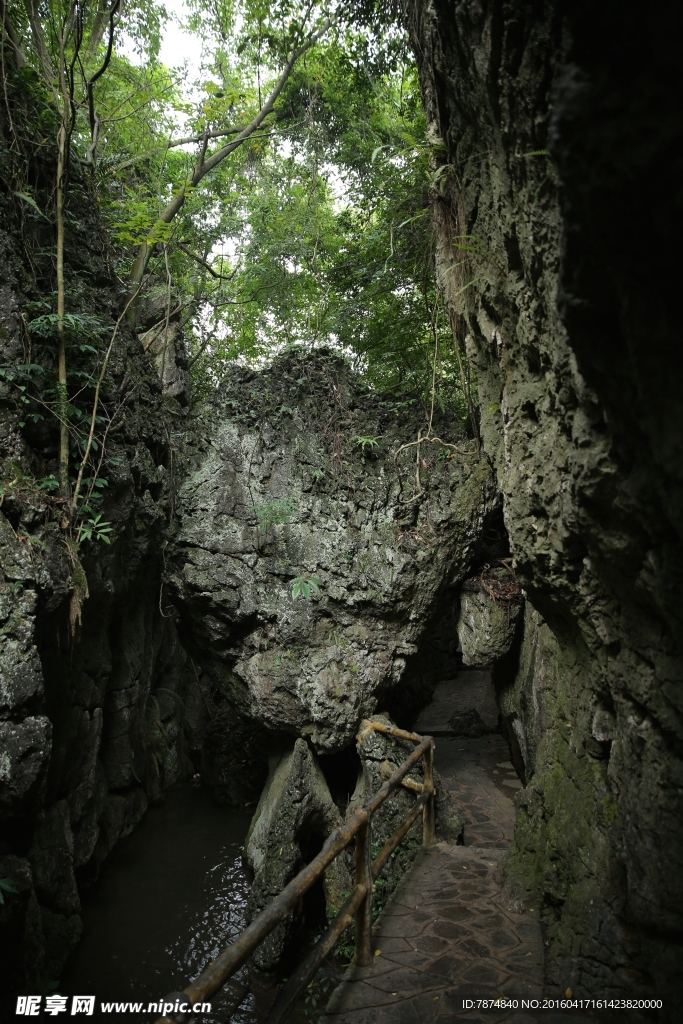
(171, 896)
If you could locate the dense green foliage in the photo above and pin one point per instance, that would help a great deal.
(314, 230)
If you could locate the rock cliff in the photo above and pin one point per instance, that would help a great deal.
(272, 567)
(562, 150)
(90, 729)
(275, 564)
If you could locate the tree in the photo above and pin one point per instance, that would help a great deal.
(328, 229)
(288, 203)
(206, 161)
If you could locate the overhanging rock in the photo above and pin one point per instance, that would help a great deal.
(486, 626)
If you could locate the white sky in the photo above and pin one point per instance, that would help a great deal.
(178, 46)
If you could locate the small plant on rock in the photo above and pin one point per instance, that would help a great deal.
(94, 528)
(305, 586)
(319, 991)
(366, 444)
(273, 513)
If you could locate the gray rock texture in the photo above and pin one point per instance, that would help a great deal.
(279, 492)
(559, 123)
(486, 627)
(91, 727)
(295, 815)
(272, 489)
(380, 755)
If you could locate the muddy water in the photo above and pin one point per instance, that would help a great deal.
(170, 897)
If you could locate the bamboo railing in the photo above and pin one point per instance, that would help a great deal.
(357, 907)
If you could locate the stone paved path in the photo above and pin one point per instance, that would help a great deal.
(448, 933)
(471, 691)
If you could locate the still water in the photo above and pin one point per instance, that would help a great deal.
(171, 896)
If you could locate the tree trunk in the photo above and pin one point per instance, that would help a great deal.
(63, 394)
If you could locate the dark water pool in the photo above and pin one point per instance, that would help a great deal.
(170, 897)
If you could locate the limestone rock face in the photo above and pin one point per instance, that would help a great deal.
(23, 763)
(486, 627)
(305, 567)
(553, 149)
(294, 816)
(164, 343)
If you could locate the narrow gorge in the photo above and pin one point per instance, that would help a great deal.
(280, 543)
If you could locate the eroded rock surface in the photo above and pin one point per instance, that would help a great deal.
(90, 728)
(283, 497)
(486, 626)
(295, 815)
(380, 755)
(558, 123)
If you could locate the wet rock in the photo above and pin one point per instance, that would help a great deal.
(294, 816)
(234, 758)
(121, 814)
(61, 935)
(52, 860)
(87, 827)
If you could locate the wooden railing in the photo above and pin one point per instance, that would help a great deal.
(357, 907)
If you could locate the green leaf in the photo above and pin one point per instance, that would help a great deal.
(304, 586)
(31, 201)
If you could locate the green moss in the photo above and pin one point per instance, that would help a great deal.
(609, 811)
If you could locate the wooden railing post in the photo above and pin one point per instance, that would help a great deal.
(428, 823)
(363, 954)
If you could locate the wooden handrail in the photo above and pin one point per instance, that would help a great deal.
(358, 906)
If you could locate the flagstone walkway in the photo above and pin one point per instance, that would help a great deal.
(449, 935)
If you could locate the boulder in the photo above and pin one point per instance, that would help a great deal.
(306, 570)
(486, 625)
(294, 816)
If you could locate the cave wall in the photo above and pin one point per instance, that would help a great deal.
(555, 220)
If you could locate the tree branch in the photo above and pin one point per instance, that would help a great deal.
(173, 144)
(98, 74)
(39, 41)
(97, 31)
(207, 266)
(19, 55)
(204, 166)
